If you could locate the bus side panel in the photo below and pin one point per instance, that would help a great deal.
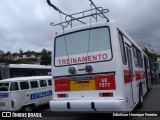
(118, 65)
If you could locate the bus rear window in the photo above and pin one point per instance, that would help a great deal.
(77, 42)
(4, 86)
(83, 46)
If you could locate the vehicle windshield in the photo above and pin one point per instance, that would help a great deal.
(4, 86)
(86, 41)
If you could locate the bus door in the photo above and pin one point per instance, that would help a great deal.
(131, 75)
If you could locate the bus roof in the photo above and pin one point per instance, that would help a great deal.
(99, 24)
(25, 78)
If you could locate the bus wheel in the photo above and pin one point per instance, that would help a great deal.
(27, 108)
(140, 105)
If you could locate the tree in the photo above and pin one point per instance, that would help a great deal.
(45, 60)
(152, 56)
(21, 51)
(44, 52)
(8, 53)
(46, 57)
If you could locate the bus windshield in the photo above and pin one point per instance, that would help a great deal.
(80, 42)
(4, 86)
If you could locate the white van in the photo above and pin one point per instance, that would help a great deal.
(24, 93)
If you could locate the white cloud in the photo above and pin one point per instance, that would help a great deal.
(25, 23)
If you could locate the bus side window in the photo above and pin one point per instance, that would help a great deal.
(14, 86)
(140, 61)
(135, 56)
(34, 84)
(124, 59)
(43, 83)
(49, 82)
(24, 85)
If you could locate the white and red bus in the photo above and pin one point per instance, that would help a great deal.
(98, 67)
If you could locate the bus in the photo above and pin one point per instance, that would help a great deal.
(98, 67)
(25, 93)
(22, 70)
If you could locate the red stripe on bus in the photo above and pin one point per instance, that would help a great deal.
(140, 75)
(127, 77)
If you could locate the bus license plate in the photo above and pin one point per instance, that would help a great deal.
(82, 84)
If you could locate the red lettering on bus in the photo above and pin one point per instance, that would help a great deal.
(79, 60)
(60, 62)
(104, 56)
(74, 60)
(89, 58)
(84, 59)
(94, 57)
(68, 61)
(99, 55)
(63, 62)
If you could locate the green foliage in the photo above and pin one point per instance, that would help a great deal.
(45, 60)
(153, 57)
(44, 54)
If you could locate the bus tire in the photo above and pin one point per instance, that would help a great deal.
(140, 104)
(27, 108)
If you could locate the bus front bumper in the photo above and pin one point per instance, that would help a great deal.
(88, 105)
